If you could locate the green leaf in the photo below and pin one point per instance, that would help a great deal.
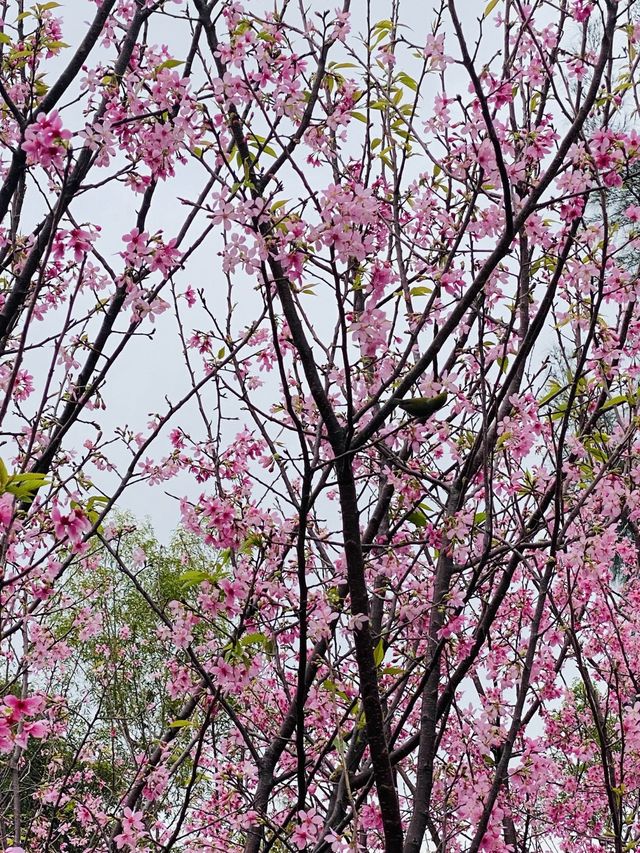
(554, 389)
(332, 687)
(33, 481)
(612, 402)
(242, 27)
(407, 81)
(45, 7)
(24, 486)
(169, 63)
(194, 577)
(93, 516)
(378, 652)
(491, 5)
(255, 638)
(5, 39)
(503, 439)
(259, 143)
(97, 499)
(557, 416)
(4, 475)
(179, 724)
(360, 116)
(252, 541)
(21, 493)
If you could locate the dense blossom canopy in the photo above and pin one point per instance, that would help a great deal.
(354, 292)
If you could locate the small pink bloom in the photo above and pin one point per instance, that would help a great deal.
(177, 439)
(37, 729)
(308, 829)
(136, 246)
(23, 707)
(582, 10)
(6, 510)
(71, 525)
(6, 739)
(44, 141)
(80, 243)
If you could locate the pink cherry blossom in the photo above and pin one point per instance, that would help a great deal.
(71, 525)
(26, 707)
(132, 829)
(307, 829)
(6, 509)
(633, 213)
(44, 141)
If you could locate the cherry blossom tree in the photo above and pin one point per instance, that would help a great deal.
(351, 289)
